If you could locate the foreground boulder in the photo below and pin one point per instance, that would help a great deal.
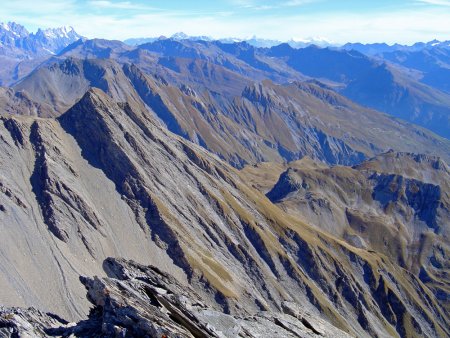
(142, 301)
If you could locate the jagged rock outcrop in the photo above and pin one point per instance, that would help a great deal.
(142, 301)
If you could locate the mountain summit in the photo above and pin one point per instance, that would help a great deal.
(16, 41)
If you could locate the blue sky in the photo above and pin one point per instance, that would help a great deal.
(338, 21)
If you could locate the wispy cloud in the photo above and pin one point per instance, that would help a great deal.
(267, 5)
(252, 4)
(435, 2)
(31, 7)
(296, 3)
(126, 5)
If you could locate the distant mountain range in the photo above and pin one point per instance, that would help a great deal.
(373, 82)
(53, 40)
(254, 41)
(370, 49)
(380, 48)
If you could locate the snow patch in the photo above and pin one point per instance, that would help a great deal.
(5, 26)
(48, 50)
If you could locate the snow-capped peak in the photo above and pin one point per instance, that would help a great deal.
(180, 36)
(65, 32)
(5, 26)
(14, 29)
(318, 41)
(43, 42)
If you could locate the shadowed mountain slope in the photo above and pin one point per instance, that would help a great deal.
(387, 89)
(265, 122)
(372, 83)
(104, 179)
(432, 65)
(397, 203)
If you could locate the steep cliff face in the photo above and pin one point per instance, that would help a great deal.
(105, 179)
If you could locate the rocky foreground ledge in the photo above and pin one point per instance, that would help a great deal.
(142, 301)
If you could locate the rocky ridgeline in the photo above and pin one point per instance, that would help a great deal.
(141, 301)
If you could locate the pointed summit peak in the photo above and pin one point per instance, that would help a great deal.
(282, 49)
(13, 28)
(91, 103)
(65, 32)
(182, 36)
(260, 92)
(179, 36)
(96, 94)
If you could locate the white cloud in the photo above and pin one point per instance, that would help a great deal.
(31, 7)
(267, 5)
(127, 5)
(435, 2)
(296, 3)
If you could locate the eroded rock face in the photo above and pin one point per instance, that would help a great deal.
(142, 301)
